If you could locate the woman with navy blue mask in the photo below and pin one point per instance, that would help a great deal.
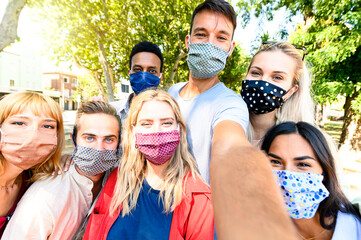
(304, 167)
(276, 89)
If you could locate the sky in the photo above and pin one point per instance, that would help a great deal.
(27, 29)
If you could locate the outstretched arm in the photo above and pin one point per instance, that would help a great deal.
(247, 201)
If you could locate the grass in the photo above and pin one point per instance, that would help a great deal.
(333, 128)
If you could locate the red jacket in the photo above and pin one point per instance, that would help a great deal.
(193, 218)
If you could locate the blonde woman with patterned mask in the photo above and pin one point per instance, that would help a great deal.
(277, 89)
(31, 141)
(156, 192)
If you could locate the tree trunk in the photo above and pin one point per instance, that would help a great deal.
(351, 128)
(181, 55)
(95, 76)
(106, 67)
(320, 115)
(9, 23)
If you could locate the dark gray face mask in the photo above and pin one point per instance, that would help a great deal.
(261, 96)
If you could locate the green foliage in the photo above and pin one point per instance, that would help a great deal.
(332, 34)
(86, 88)
(236, 69)
(75, 28)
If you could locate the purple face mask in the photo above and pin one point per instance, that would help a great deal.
(157, 147)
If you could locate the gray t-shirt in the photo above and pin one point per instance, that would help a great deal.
(203, 113)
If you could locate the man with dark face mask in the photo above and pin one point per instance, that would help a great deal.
(54, 208)
(145, 71)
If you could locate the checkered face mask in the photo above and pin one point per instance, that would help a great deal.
(92, 161)
(157, 147)
(262, 96)
(303, 192)
(205, 60)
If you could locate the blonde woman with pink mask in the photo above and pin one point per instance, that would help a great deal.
(156, 192)
(31, 141)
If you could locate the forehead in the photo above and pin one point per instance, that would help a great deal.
(275, 61)
(30, 112)
(155, 109)
(146, 59)
(98, 124)
(291, 145)
(212, 21)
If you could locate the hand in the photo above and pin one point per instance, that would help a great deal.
(65, 162)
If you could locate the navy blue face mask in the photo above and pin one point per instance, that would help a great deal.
(141, 81)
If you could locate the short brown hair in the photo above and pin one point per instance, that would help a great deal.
(94, 107)
(220, 6)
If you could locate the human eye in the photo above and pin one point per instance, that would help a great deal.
(275, 162)
(89, 138)
(222, 38)
(303, 165)
(152, 71)
(145, 124)
(49, 126)
(200, 35)
(278, 77)
(168, 123)
(137, 69)
(255, 73)
(109, 140)
(17, 123)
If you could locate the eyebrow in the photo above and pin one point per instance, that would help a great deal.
(204, 29)
(25, 117)
(162, 119)
(94, 135)
(296, 158)
(137, 65)
(272, 71)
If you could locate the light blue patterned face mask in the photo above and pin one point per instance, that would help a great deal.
(92, 161)
(205, 60)
(303, 192)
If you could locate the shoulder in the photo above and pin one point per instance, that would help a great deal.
(193, 184)
(174, 90)
(347, 226)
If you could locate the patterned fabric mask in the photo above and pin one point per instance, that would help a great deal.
(302, 192)
(157, 147)
(205, 60)
(26, 148)
(262, 96)
(92, 161)
(141, 81)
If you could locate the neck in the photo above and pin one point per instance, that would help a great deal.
(261, 123)
(155, 174)
(310, 228)
(10, 175)
(97, 181)
(197, 86)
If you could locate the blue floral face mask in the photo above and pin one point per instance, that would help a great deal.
(141, 81)
(205, 60)
(92, 161)
(303, 192)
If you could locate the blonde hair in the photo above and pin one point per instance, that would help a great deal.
(39, 104)
(133, 164)
(299, 106)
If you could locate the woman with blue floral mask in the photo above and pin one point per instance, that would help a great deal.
(304, 167)
(276, 89)
(156, 192)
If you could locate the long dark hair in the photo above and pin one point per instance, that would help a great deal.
(336, 201)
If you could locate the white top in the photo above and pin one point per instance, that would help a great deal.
(52, 209)
(348, 227)
(203, 113)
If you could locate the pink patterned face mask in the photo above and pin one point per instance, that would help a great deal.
(157, 147)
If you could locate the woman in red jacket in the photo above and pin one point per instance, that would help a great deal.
(156, 192)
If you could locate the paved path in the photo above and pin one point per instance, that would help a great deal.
(69, 120)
